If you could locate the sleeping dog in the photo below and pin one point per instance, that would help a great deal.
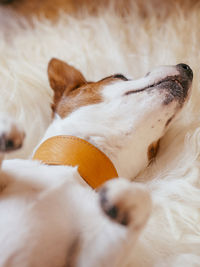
(49, 214)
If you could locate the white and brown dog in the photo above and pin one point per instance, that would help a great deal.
(48, 215)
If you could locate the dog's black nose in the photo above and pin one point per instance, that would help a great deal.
(185, 69)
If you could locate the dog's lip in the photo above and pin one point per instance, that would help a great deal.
(174, 79)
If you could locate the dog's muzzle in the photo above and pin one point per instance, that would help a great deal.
(177, 87)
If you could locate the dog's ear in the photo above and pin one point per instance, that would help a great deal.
(63, 78)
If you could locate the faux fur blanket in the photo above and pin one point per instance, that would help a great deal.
(99, 46)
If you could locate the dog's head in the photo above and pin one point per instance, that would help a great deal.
(125, 118)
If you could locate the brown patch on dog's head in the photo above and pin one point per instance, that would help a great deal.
(71, 90)
(153, 150)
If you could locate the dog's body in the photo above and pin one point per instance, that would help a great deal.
(49, 218)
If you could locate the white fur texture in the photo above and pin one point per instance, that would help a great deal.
(99, 47)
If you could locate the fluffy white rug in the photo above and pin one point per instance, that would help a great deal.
(100, 46)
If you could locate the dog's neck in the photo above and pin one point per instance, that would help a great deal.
(93, 165)
(127, 157)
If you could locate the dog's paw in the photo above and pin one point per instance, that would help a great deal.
(125, 202)
(11, 135)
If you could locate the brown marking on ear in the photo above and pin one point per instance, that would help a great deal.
(153, 150)
(63, 78)
(71, 91)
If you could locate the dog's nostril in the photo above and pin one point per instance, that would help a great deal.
(185, 68)
(112, 212)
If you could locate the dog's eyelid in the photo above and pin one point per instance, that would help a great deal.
(147, 74)
(120, 76)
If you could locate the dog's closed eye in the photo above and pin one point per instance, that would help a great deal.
(120, 76)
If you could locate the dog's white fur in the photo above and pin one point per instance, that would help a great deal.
(46, 214)
(172, 235)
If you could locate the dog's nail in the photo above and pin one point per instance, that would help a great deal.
(112, 212)
(9, 144)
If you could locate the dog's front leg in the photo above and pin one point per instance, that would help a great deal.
(11, 134)
(11, 138)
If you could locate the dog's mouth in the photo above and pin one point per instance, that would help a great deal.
(168, 80)
(176, 87)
